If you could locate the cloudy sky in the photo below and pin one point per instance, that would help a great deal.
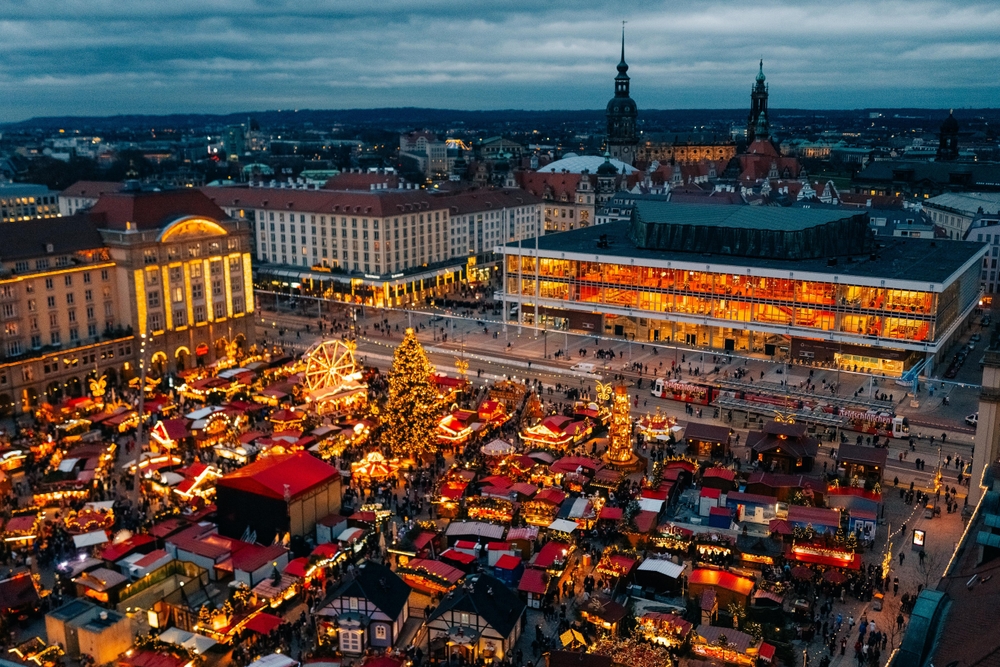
(103, 57)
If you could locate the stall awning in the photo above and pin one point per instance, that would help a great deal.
(90, 539)
(263, 623)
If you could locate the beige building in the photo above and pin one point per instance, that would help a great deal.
(59, 312)
(183, 272)
(986, 450)
(76, 291)
(955, 211)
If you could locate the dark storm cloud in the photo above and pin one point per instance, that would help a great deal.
(102, 57)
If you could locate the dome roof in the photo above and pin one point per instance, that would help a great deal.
(624, 106)
(950, 124)
(607, 169)
(580, 163)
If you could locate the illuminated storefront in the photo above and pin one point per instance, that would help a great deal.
(855, 307)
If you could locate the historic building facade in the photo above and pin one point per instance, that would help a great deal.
(77, 292)
(183, 270)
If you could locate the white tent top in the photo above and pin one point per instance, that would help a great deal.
(498, 447)
(67, 465)
(663, 566)
(576, 164)
(201, 413)
(274, 660)
(90, 539)
(650, 504)
(350, 535)
(581, 508)
(563, 525)
(189, 640)
(171, 478)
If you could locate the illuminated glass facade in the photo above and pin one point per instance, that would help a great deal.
(739, 308)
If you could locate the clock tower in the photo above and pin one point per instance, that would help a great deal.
(621, 114)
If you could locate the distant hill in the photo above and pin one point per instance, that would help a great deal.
(410, 117)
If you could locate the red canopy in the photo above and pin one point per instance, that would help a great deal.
(611, 513)
(297, 567)
(263, 623)
(327, 550)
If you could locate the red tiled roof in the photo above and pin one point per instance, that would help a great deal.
(249, 557)
(507, 562)
(437, 568)
(263, 623)
(91, 189)
(352, 180)
(720, 473)
(116, 552)
(549, 553)
(551, 495)
(533, 581)
(726, 580)
(645, 521)
(472, 201)
(375, 203)
(152, 210)
(269, 476)
(458, 556)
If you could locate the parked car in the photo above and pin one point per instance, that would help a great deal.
(975, 338)
(973, 419)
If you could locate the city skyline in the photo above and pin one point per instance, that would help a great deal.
(219, 57)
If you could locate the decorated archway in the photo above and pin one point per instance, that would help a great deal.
(182, 358)
(29, 398)
(220, 348)
(6, 405)
(53, 392)
(74, 388)
(158, 362)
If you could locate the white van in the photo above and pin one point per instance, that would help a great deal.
(583, 367)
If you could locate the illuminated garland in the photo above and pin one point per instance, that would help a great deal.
(631, 651)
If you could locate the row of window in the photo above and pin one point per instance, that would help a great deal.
(152, 255)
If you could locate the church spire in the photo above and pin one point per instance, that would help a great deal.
(623, 42)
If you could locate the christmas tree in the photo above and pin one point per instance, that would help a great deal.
(410, 417)
(620, 428)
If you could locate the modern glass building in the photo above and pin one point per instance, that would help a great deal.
(815, 284)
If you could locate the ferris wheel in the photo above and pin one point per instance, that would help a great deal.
(329, 364)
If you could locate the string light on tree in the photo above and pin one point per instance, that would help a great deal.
(410, 419)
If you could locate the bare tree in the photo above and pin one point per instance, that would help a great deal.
(930, 568)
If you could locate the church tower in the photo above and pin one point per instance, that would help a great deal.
(621, 114)
(758, 107)
(948, 139)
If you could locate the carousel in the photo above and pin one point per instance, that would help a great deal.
(374, 467)
(657, 426)
(333, 381)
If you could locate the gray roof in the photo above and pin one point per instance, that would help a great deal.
(29, 239)
(488, 597)
(23, 190)
(743, 217)
(920, 260)
(379, 585)
(967, 202)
